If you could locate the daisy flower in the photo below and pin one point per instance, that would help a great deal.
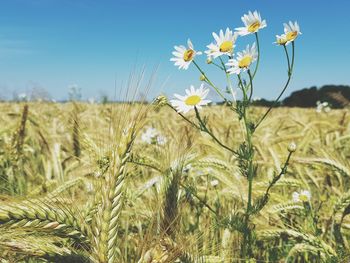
(243, 61)
(291, 31)
(224, 44)
(303, 196)
(252, 23)
(194, 98)
(149, 135)
(161, 140)
(214, 183)
(281, 40)
(152, 136)
(323, 107)
(183, 56)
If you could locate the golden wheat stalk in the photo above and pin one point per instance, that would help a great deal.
(111, 203)
(42, 214)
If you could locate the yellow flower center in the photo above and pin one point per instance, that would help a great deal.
(254, 27)
(291, 35)
(188, 55)
(245, 62)
(226, 46)
(281, 41)
(303, 198)
(193, 100)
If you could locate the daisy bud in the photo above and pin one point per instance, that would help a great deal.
(209, 60)
(292, 147)
(160, 101)
(214, 183)
(202, 78)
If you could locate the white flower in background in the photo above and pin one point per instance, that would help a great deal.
(193, 98)
(327, 109)
(152, 136)
(252, 23)
(322, 107)
(291, 31)
(243, 61)
(214, 183)
(303, 196)
(89, 187)
(149, 135)
(224, 44)
(183, 56)
(161, 140)
(22, 97)
(92, 100)
(187, 168)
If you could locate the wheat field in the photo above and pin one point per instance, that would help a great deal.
(80, 183)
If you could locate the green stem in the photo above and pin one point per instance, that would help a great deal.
(200, 199)
(276, 178)
(184, 117)
(257, 61)
(220, 67)
(204, 128)
(229, 84)
(290, 72)
(247, 236)
(287, 55)
(210, 83)
(240, 83)
(251, 86)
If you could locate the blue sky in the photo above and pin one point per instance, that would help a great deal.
(52, 44)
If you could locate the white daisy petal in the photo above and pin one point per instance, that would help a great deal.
(291, 32)
(184, 56)
(193, 98)
(224, 44)
(252, 23)
(243, 60)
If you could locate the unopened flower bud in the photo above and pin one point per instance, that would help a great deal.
(292, 147)
(160, 101)
(202, 78)
(209, 60)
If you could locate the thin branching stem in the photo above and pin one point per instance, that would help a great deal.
(211, 83)
(257, 61)
(247, 242)
(204, 128)
(290, 72)
(251, 85)
(228, 79)
(184, 117)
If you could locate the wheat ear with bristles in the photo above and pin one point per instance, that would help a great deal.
(110, 209)
(38, 214)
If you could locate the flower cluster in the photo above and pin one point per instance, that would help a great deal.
(222, 47)
(242, 66)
